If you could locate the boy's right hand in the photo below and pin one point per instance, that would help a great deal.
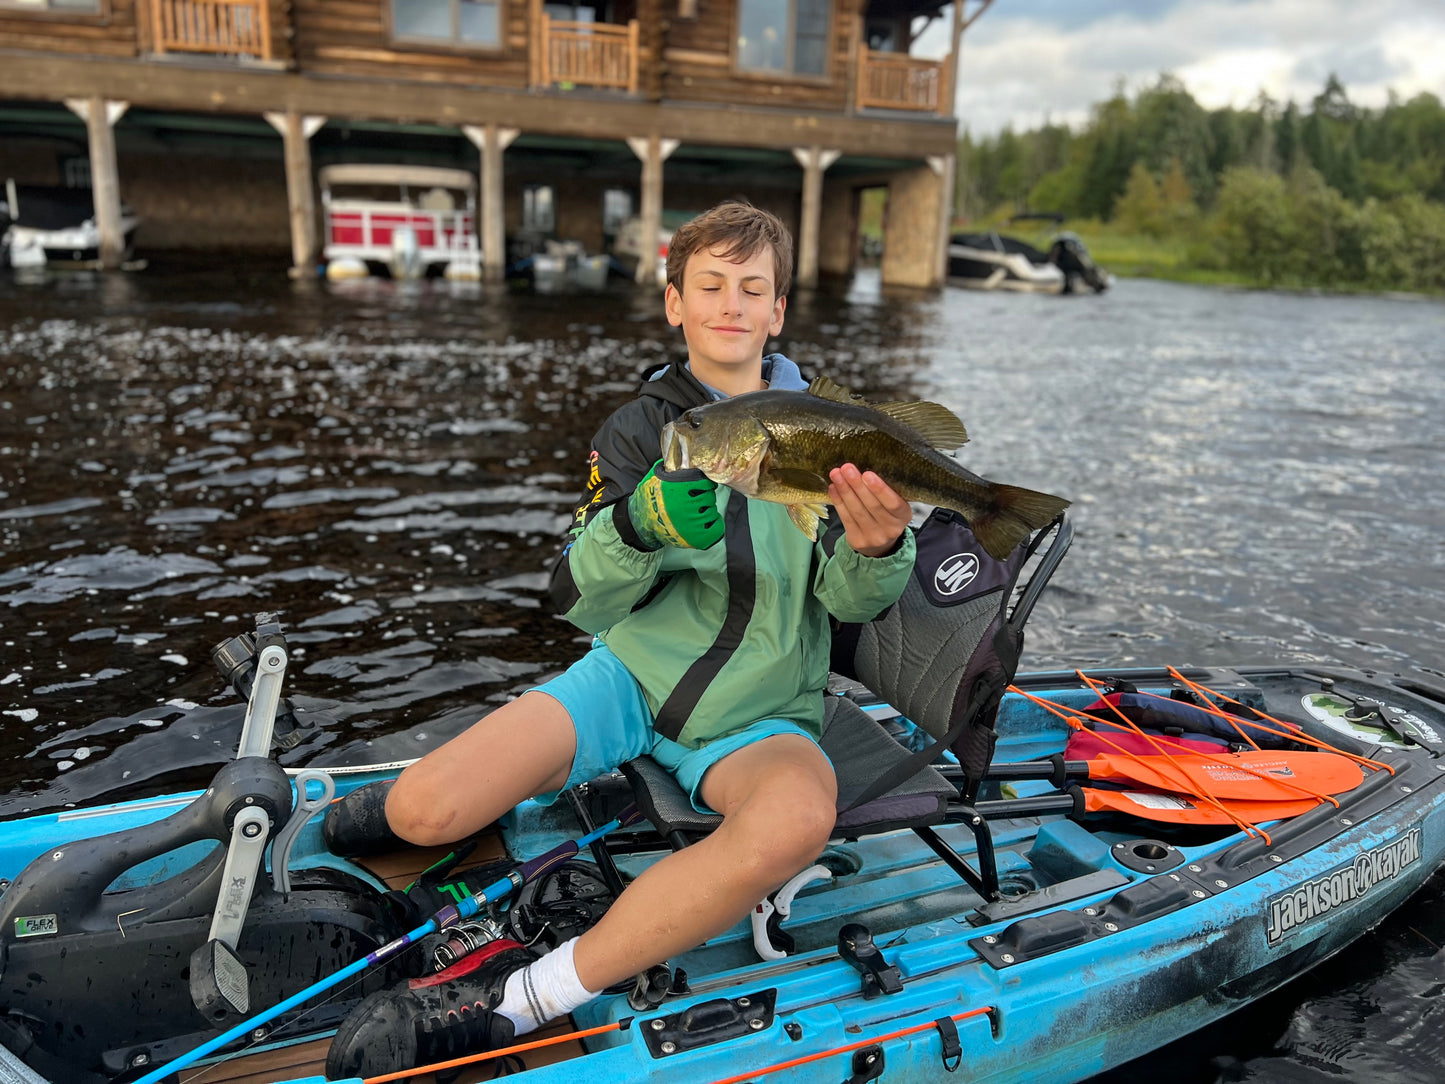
(676, 508)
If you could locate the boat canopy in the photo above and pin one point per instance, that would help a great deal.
(411, 176)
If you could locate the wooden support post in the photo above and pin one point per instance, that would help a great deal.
(911, 236)
(100, 116)
(946, 166)
(296, 132)
(653, 150)
(492, 141)
(815, 162)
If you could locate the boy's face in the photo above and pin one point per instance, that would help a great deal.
(726, 310)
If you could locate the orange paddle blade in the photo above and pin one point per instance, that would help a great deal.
(1256, 776)
(1178, 809)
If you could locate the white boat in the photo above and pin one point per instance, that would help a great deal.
(565, 265)
(991, 261)
(627, 246)
(45, 224)
(994, 261)
(405, 221)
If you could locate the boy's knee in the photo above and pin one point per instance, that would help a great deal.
(419, 815)
(776, 840)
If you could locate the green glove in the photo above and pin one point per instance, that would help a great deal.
(676, 508)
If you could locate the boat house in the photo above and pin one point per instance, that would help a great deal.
(214, 118)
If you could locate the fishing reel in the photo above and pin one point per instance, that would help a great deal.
(555, 907)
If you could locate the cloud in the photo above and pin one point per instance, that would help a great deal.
(1028, 61)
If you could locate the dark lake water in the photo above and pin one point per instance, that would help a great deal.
(1255, 478)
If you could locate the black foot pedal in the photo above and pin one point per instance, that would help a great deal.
(855, 944)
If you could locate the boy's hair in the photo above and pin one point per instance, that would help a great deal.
(738, 230)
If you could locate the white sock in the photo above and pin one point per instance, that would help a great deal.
(544, 990)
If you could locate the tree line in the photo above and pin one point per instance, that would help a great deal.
(1327, 194)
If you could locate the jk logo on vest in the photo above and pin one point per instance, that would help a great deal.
(955, 573)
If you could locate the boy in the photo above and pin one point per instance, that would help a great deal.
(711, 617)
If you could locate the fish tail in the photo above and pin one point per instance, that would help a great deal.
(1013, 515)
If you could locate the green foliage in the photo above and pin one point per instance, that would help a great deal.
(1329, 194)
(1141, 207)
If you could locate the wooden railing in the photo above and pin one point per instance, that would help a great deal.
(587, 54)
(898, 81)
(227, 27)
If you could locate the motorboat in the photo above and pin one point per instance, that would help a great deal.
(50, 224)
(992, 261)
(1076, 868)
(404, 221)
(558, 266)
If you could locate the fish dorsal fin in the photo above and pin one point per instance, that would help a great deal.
(826, 388)
(934, 423)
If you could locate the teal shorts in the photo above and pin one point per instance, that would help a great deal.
(614, 725)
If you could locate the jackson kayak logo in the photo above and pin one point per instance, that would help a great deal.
(1290, 910)
(955, 573)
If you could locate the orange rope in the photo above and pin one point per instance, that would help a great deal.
(1076, 723)
(519, 1048)
(1201, 793)
(1214, 758)
(1287, 730)
(859, 1045)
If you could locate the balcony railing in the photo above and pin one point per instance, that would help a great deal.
(898, 81)
(587, 55)
(226, 27)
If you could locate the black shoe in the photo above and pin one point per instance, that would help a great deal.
(356, 825)
(442, 1016)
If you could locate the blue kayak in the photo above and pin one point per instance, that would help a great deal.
(1023, 930)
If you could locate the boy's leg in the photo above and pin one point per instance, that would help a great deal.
(778, 800)
(522, 749)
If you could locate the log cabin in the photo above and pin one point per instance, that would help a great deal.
(574, 118)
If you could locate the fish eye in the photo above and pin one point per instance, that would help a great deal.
(692, 421)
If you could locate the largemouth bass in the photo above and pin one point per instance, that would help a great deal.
(780, 446)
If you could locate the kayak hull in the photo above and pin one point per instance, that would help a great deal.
(1114, 935)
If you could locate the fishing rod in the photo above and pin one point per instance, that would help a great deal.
(447, 917)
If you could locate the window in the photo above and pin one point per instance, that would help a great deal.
(570, 13)
(616, 209)
(539, 213)
(78, 7)
(788, 36)
(461, 22)
(76, 171)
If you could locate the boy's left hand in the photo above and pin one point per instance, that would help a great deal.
(874, 517)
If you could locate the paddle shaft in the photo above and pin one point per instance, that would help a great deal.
(448, 916)
(1169, 808)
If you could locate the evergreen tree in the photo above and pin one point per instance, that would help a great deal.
(1315, 142)
(1173, 127)
(1227, 141)
(1287, 138)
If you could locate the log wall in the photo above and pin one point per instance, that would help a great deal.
(353, 37)
(110, 32)
(699, 62)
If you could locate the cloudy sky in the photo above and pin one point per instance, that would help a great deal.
(1026, 61)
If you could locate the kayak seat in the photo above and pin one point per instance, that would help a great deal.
(942, 656)
(856, 745)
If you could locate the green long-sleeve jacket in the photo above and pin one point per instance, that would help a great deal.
(717, 638)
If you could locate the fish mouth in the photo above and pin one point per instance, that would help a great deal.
(674, 448)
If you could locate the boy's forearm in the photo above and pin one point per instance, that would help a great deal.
(603, 574)
(858, 588)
